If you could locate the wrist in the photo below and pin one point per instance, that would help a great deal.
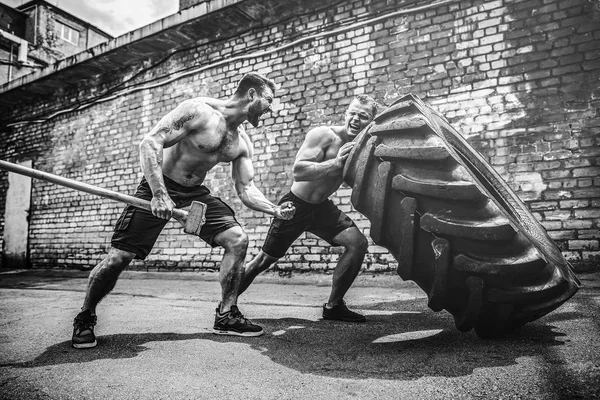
(160, 192)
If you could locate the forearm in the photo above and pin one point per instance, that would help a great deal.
(312, 171)
(151, 161)
(254, 199)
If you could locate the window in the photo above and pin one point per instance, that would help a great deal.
(67, 33)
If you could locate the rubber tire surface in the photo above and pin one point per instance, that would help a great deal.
(452, 223)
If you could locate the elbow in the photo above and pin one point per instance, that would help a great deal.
(299, 178)
(243, 195)
(144, 144)
(299, 174)
(149, 145)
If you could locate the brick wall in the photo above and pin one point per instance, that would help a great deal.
(520, 79)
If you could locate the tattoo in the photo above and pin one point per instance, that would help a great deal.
(165, 129)
(177, 124)
(152, 155)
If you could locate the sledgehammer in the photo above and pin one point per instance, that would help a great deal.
(193, 218)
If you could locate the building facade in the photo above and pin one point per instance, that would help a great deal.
(520, 80)
(36, 34)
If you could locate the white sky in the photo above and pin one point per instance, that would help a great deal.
(115, 17)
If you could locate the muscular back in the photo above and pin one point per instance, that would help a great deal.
(195, 138)
(321, 144)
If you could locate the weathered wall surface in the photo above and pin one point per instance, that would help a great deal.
(520, 79)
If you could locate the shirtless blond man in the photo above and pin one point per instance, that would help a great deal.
(317, 175)
(175, 157)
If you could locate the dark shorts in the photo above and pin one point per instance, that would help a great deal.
(137, 229)
(324, 220)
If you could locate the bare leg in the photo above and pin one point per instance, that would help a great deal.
(104, 276)
(235, 244)
(349, 263)
(260, 263)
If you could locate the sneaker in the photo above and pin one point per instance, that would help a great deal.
(340, 312)
(233, 323)
(83, 330)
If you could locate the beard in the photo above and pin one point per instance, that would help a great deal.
(254, 113)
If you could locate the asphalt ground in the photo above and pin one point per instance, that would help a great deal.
(155, 342)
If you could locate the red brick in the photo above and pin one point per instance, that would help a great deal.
(588, 234)
(545, 61)
(583, 245)
(577, 224)
(587, 213)
(562, 235)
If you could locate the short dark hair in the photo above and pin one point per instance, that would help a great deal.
(364, 99)
(256, 81)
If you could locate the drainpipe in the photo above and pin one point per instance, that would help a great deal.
(35, 25)
(10, 61)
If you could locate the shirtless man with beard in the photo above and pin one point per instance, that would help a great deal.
(175, 157)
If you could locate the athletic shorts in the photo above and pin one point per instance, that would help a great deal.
(137, 229)
(324, 220)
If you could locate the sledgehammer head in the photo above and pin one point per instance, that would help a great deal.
(196, 217)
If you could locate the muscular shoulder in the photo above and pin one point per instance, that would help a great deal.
(193, 115)
(322, 136)
(196, 108)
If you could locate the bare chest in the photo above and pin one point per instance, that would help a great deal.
(190, 159)
(220, 146)
(332, 150)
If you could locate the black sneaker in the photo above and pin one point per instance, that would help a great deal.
(233, 323)
(83, 330)
(340, 312)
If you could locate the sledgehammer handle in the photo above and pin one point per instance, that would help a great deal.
(84, 187)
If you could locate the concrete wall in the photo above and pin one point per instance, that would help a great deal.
(4, 70)
(520, 79)
(93, 38)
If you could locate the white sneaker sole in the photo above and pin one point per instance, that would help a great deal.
(234, 333)
(85, 345)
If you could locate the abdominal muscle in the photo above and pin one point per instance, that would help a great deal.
(316, 192)
(187, 169)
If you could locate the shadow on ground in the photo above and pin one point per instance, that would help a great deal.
(25, 279)
(398, 345)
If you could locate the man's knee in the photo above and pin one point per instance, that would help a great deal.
(261, 262)
(234, 240)
(362, 244)
(355, 241)
(108, 271)
(119, 259)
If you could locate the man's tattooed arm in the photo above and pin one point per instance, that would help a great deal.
(169, 130)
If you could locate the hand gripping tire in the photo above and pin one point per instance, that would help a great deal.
(452, 223)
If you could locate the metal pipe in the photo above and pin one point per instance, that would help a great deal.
(85, 187)
(10, 62)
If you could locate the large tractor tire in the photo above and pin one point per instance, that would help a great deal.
(453, 224)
